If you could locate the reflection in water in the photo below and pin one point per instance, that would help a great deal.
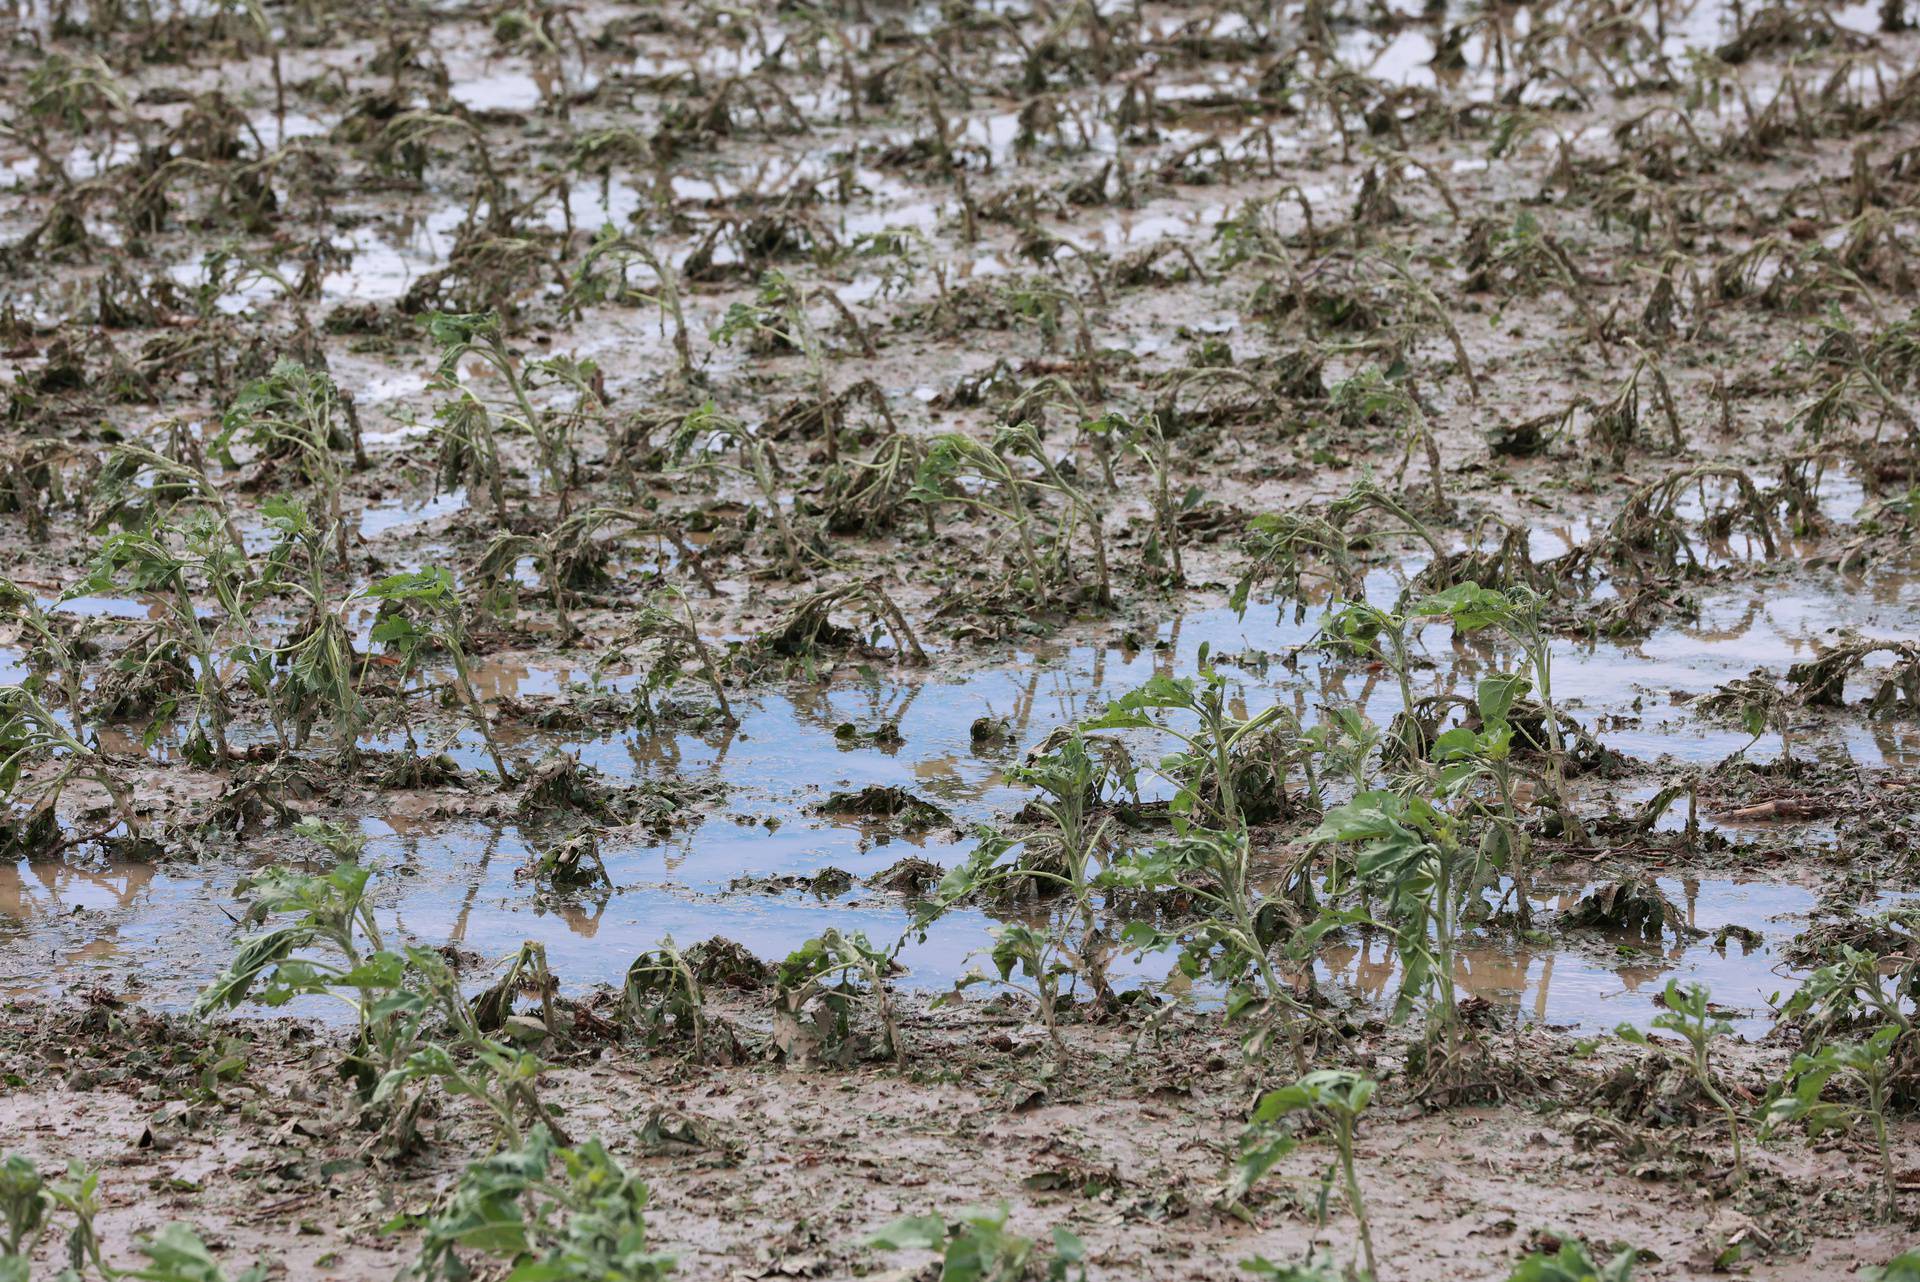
(452, 881)
(1592, 980)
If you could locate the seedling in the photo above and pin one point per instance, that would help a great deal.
(975, 1246)
(1871, 1062)
(548, 1212)
(28, 1204)
(1337, 1097)
(1689, 1014)
(420, 614)
(1042, 964)
(1520, 613)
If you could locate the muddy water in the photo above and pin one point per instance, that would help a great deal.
(163, 931)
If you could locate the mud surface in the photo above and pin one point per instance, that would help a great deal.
(817, 414)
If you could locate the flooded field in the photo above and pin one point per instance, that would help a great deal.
(969, 641)
(759, 865)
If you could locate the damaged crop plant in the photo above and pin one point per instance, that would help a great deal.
(985, 642)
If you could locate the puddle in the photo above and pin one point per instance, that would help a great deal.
(404, 513)
(1592, 981)
(167, 928)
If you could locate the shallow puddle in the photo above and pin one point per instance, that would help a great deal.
(453, 880)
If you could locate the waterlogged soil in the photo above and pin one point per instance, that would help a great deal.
(1515, 265)
(762, 1172)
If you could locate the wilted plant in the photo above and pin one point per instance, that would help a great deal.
(481, 335)
(296, 414)
(1285, 548)
(30, 736)
(985, 478)
(569, 556)
(1370, 630)
(677, 637)
(421, 613)
(1149, 443)
(469, 451)
(312, 674)
(779, 315)
(161, 563)
(601, 276)
(695, 443)
(820, 985)
(134, 474)
(1760, 705)
(402, 1000)
(663, 994)
(51, 649)
(403, 144)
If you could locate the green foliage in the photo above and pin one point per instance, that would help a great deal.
(178, 1255)
(1872, 1063)
(818, 988)
(1335, 1096)
(1407, 849)
(1572, 1263)
(976, 1246)
(1689, 1014)
(1071, 780)
(1904, 1267)
(29, 1201)
(547, 1213)
(415, 1025)
(1209, 856)
(23, 1203)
